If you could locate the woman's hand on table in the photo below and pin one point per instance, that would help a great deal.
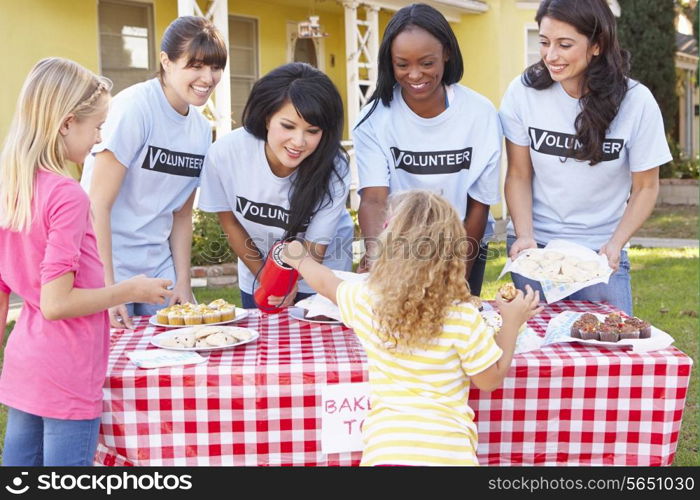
(119, 317)
(182, 292)
(520, 244)
(612, 252)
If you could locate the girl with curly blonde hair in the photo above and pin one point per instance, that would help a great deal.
(425, 343)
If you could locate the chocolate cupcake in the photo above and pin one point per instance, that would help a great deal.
(629, 332)
(608, 333)
(643, 326)
(575, 327)
(588, 331)
(613, 319)
(588, 318)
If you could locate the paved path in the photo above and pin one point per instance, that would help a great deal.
(500, 235)
(664, 242)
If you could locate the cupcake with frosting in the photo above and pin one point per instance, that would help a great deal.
(643, 326)
(162, 315)
(608, 333)
(176, 317)
(212, 315)
(629, 332)
(228, 313)
(588, 331)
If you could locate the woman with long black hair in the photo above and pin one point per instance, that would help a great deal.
(423, 130)
(283, 175)
(584, 144)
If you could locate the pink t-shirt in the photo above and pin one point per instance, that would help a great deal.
(57, 368)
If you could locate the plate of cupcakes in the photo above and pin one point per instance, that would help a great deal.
(609, 330)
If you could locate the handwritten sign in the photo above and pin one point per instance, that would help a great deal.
(344, 407)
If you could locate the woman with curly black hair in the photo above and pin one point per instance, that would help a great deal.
(584, 144)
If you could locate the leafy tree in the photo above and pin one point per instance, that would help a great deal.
(647, 30)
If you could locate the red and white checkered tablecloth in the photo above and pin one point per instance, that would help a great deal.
(260, 403)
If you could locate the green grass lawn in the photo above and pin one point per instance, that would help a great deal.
(671, 221)
(665, 285)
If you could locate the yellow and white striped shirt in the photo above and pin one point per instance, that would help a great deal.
(419, 399)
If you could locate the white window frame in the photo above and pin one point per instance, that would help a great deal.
(153, 62)
(528, 27)
(256, 55)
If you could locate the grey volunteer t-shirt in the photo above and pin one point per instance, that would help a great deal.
(163, 152)
(237, 178)
(455, 154)
(571, 199)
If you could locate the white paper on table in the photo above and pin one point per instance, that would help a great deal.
(553, 290)
(157, 358)
(318, 305)
(559, 330)
(527, 341)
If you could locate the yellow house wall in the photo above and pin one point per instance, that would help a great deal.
(272, 36)
(34, 29)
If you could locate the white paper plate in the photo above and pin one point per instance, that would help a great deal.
(240, 314)
(157, 339)
(298, 313)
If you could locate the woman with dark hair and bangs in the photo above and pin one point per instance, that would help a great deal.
(584, 145)
(142, 177)
(423, 130)
(283, 175)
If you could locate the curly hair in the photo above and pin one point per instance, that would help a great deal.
(605, 78)
(419, 272)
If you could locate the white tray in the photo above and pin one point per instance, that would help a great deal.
(157, 339)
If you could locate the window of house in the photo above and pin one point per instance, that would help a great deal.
(243, 57)
(532, 45)
(126, 42)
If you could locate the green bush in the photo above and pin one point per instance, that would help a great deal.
(209, 243)
(681, 167)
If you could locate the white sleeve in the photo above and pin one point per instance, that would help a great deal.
(647, 146)
(324, 223)
(510, 115)
(212, 195)
(124, 132)
(486, 188)
(372, 168)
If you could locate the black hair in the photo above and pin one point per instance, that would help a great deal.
(431, 20)
(318, 102)
(196, 38)
(604, 80)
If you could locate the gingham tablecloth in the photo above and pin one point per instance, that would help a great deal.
(260, 403)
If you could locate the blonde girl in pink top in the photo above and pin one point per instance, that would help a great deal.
(55, 360)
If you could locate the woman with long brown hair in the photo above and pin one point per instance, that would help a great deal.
(584, 144)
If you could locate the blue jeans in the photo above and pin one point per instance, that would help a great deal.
(249, 303)
(617, 293)
(32, 441)
(143, 309)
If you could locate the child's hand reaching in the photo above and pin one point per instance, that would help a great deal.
(521, 308)
(151, 290)
(293, 253)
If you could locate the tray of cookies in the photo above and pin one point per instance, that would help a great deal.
(204, 338)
